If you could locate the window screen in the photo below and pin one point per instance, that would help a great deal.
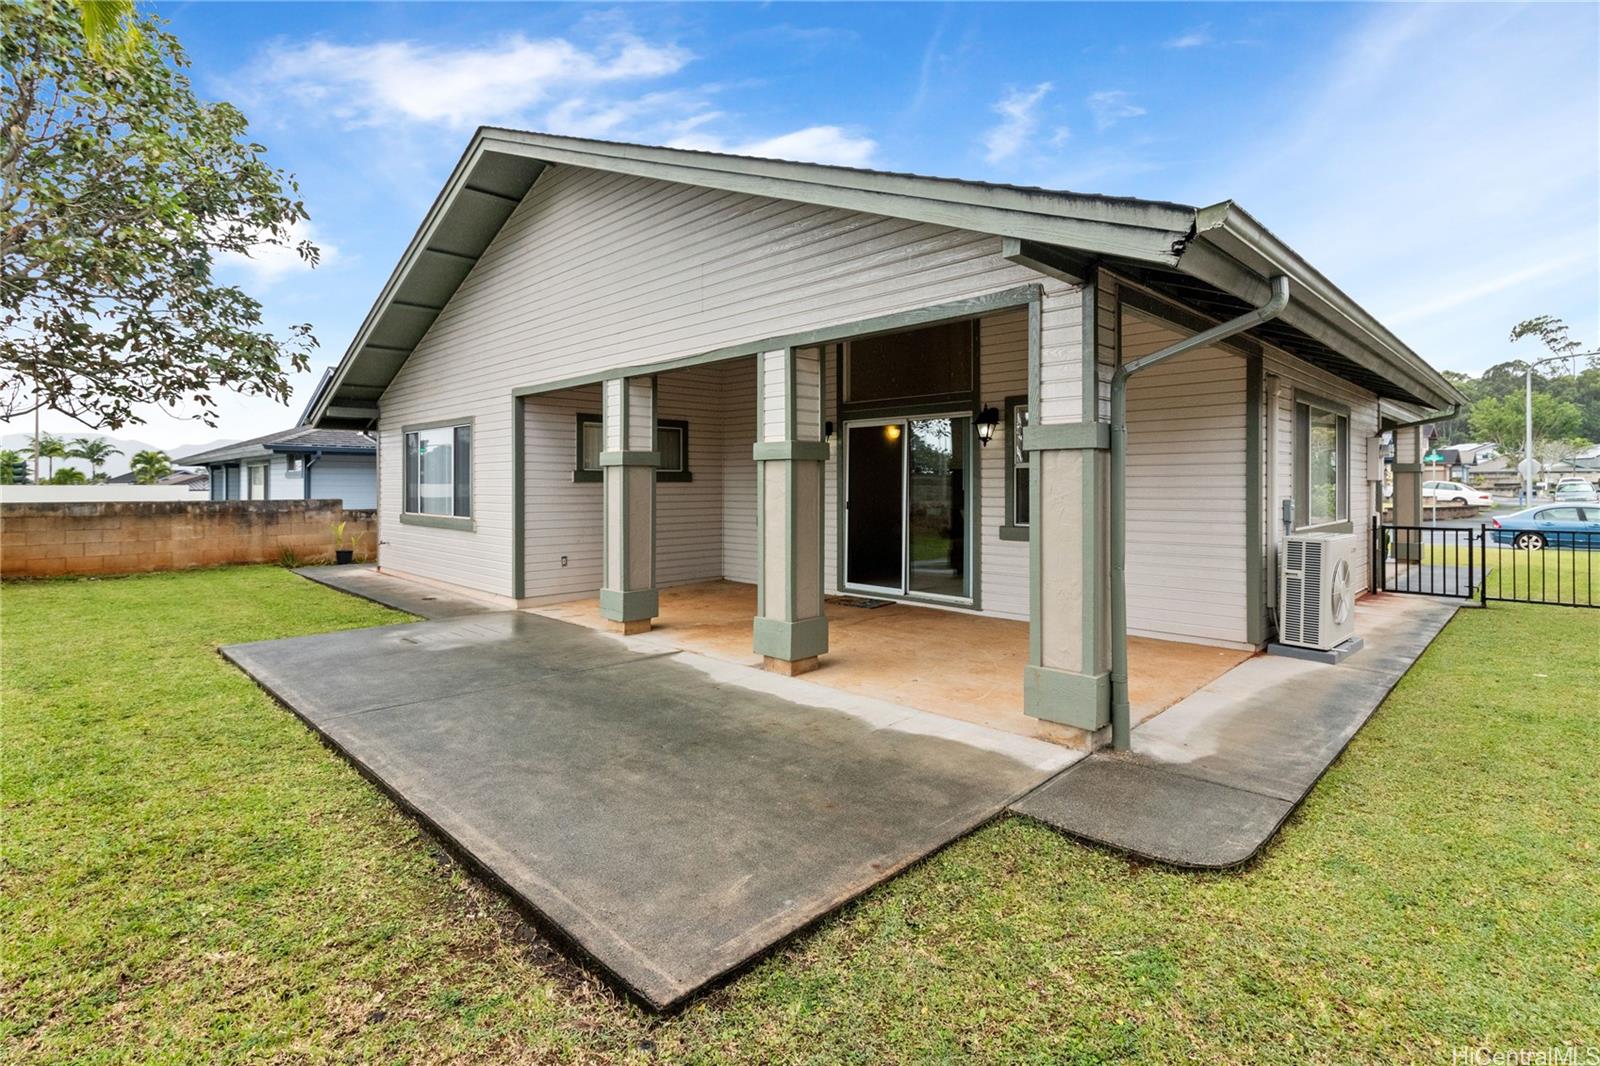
(927, 363)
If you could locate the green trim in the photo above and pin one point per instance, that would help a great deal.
(579, 474)
(440, 521)
(676, 476)
(1011, 405)
(630, 459)
(518, 506)
(1255, 551)
(761, 489)
(1089, 357)
(438, 423)
(969, 308)
(1407, 468)
(1301, 454)
(1081, 700)
(1068, 436)
(633, 605)
(790, 641)
(800, 450)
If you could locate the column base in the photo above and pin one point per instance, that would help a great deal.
(630, 628)
(638, 605)
(805, 639)
(1081, 700)
(790, 667)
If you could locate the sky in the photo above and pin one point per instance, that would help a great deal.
(1440, 163)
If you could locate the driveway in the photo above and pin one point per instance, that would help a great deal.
(670, 815)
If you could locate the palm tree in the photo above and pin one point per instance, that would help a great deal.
(95, 451)
(8, 465)
(51, 448)
(68, 475)
(150, 467)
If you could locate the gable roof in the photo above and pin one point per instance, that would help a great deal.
(298, 439)
(1217, 259)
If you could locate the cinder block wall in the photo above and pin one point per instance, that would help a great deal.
(54, 539)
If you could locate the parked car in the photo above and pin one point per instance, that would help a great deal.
(1573, 479)
(1454, 492)
(1576, 492)
(1562, 525)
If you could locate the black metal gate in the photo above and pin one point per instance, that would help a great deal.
(1556, 568)
(1426, 560)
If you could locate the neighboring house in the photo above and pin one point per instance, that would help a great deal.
(1462, 459)
(605, 368)
(193, 480)
(303, 463)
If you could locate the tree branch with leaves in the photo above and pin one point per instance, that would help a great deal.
(118, 190)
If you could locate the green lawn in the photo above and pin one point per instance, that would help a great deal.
(1551, 576)
(189, 875)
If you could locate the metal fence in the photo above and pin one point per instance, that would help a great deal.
(1492, 565)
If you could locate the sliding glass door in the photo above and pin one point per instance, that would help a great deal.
(906, 517)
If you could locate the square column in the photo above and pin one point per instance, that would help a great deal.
(1068, 676)
(1408, 491)
(790, 628)
(628, 463)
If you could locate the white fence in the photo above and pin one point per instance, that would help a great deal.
(96, 493)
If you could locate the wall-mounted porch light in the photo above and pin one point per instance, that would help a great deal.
(827, 431)
(987, 419)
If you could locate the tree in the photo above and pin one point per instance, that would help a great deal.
(1551, 332)
(118, 188)
(67, 475)
(150, 467)
(1502, 421)
(9, 461)
(50, 449)
(93, 450)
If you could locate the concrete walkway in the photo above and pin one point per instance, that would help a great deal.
(1211, 780)
(413, 597)
(672, 815)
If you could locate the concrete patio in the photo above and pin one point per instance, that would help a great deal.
(671, 815)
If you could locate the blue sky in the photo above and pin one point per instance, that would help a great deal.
(1440, 163)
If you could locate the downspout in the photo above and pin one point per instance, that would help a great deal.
(1121, 719)
(310, 461)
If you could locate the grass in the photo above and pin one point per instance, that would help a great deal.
(189, 875)
(1554, 575)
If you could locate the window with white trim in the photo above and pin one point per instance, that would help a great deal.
(1017, 463)
(439, 471)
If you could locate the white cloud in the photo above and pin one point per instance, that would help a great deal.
(1111, 106)
(1198, 37)
(813, 144)
(269, 263)
(1017, 122)
(375, 83)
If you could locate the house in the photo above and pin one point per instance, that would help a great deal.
(1461, 459)
(601, 370)
(193, 480)
(303, 463)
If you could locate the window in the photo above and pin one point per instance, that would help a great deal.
(1560, 514)
(1321, 444)
(931, 363)
(294, 464)
(672, 444)
(256, 481)
(439, 471)
(1017, 467)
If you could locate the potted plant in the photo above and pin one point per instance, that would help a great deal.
(344, 549)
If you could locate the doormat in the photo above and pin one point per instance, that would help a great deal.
(858, 601)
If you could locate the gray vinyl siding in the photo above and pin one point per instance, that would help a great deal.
(1003, 365)
(1186, 555)
(739, 471)
(597, 271)
(349, 478)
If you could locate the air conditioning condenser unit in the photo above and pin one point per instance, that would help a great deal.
(1317, 593)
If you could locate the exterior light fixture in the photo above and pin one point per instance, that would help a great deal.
(891, 432)
(987, 419)
(827, 430)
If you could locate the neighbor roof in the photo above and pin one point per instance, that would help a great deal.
(298, 439)
(1217, 259)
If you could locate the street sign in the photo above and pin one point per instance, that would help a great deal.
(1527, 468)
(1433, 457)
